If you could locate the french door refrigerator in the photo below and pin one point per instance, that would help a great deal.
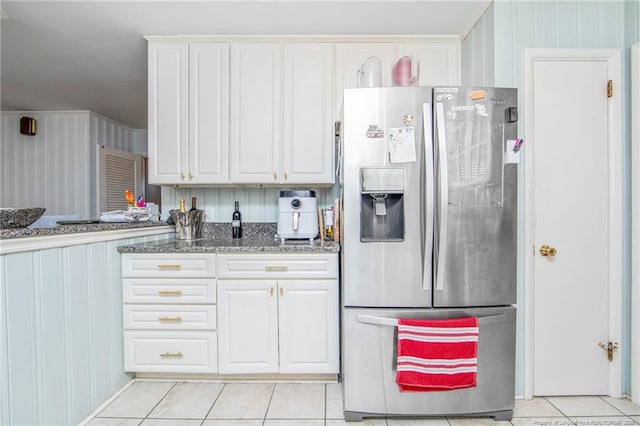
(429, 232)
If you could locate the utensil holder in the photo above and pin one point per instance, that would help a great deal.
(188, 224)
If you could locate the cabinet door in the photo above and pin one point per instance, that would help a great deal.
(349, 58)
(439, 62)
(247, 326)
(208, 113)
(308, 313)
(168, 112)
(308, 138)
(256, 112)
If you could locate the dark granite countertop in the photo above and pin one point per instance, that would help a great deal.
(74, 229)
(216, 238)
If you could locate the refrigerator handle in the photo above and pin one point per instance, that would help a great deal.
(427, 274)
(392, 322)
(443, 198)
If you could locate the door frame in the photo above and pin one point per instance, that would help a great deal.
(613, 59)
(635, 226)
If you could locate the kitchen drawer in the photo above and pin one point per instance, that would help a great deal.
(168, 265)
(171, 351)
(169, 317)
(169, 290)
(266, 266)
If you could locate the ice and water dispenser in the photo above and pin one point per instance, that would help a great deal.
(381, 204)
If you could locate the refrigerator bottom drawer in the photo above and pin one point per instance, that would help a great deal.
(369, 366)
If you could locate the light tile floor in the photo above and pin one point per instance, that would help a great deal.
(162, 403)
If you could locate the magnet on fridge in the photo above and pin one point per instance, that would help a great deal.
(478, 95)
(511, 114)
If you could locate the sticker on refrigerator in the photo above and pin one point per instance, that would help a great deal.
(401, 144)
(512, 154)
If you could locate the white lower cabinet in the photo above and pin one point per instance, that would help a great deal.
(279, 325)
(169, 316)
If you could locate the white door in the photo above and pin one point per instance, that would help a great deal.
(309, 335)
(574, 212)
(256, 112)
(308, 113)
(247, 326)
(208, 113)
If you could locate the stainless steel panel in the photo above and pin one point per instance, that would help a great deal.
(475, 244)
(369, 358)
(385, 273)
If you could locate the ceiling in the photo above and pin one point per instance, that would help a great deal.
(90, 55)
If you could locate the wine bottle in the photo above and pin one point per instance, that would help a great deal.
(182, 209)
(236, 223)
(193, 204)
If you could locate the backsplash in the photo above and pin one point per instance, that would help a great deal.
(256, 204)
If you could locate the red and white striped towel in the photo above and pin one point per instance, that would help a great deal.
(437, 354)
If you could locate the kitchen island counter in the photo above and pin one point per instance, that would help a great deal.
(74, 229)
(31, 239)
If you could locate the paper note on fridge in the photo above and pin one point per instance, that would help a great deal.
(512, 153)
(401, 144)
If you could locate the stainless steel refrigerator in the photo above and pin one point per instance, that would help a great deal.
(429, 232)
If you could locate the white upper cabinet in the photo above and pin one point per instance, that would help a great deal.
(188, 112)
(168, 65)
(439, 63)
(308, 114)
(240, 112)
(209, 112)
(281, 113)
(349, 59)
(256, 112)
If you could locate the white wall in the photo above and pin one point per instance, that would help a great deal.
(55, 168)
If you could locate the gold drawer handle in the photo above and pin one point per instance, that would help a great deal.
(169, 266)
(276, 268)
(170, 319)
(170, 293)
(171, 355)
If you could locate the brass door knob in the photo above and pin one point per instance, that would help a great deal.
(545, 250)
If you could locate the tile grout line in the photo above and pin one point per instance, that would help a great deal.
(224, 386)
(557, 408)
(159, 401)
(273, 391)
(325, 405)
(607, 402)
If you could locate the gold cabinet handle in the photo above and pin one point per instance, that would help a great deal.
(181, 176)
(170, 293)
(270, 291)
(171, 355)
(545, 250)
(190, 176)
(165, 266)
(285, 176)
(170, 319)
(275, 176)
(281, 291)
(276, 268)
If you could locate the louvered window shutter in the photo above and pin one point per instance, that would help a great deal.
(117, 172)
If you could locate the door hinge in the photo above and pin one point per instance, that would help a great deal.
(610, 347)
(609, 88)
